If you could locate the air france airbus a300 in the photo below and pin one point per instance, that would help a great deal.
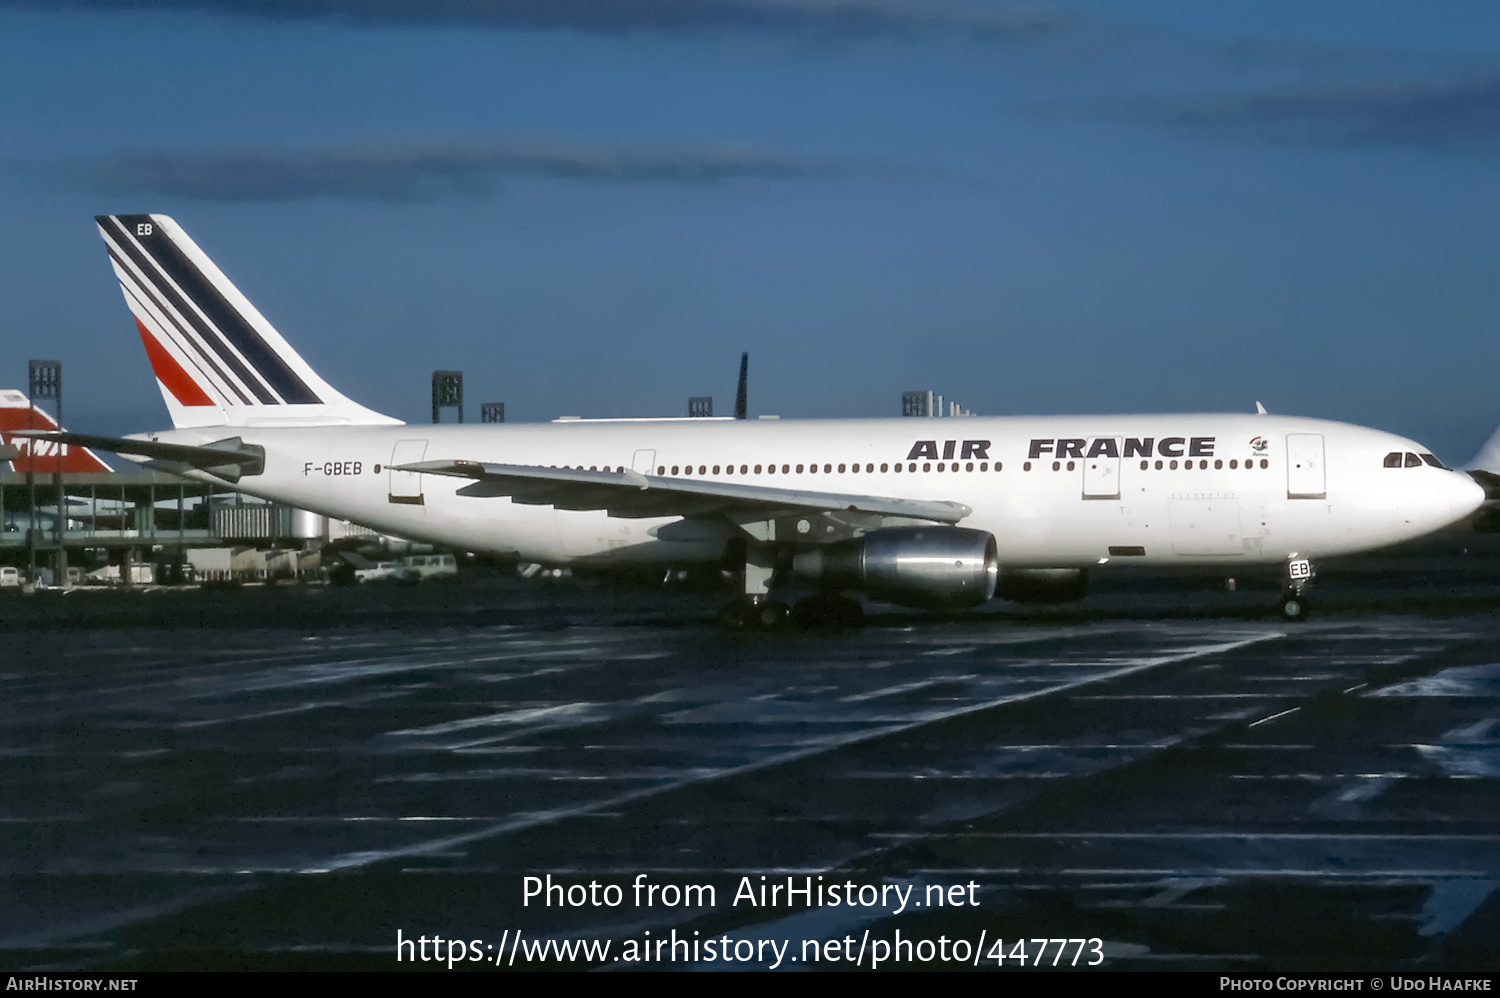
(925, 513)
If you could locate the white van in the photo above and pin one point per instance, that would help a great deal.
(431, 566)
(9, 576)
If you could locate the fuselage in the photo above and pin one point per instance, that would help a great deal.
(1055, 491)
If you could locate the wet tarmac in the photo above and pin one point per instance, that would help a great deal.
(1165, 774)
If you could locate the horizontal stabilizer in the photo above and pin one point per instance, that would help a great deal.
(632, 494)
(230, 459)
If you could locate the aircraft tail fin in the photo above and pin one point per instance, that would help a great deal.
(1488, 458)
(217, 361)
(17, 414)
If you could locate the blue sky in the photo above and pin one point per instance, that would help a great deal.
(591, 208)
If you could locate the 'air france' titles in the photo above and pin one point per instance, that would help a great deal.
(1133, 447)
(1068, 447)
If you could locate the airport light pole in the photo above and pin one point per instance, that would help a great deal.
(45, 382)
(447, 391)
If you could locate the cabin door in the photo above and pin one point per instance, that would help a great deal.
(1101, 473)
(406, 486)
(1304, 466)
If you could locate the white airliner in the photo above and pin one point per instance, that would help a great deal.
(921, 512)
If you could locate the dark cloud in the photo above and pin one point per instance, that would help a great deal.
(814, 18)
(1458, 117)
(419, 173)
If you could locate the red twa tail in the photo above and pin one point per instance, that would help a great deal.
(40, 456)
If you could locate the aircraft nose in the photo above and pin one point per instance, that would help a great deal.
(1464, 495)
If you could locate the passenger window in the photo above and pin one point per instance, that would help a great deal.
(841, 469)
(1234, 463)
(1158, 465)
(1412, 461)
(1145, 465)
(661, 469)
(1056, 465)
(1264, 463)
(884, 468)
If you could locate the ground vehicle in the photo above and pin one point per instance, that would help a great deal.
(385, 571)
(432, 566)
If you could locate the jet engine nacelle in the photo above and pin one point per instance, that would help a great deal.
(914, 566)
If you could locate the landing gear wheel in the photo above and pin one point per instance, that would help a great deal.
(1294, 606)
(772, 615)
(735, 615)
(746, 614)
(827, 611)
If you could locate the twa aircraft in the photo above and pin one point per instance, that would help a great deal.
(926, 513)
(43, 457)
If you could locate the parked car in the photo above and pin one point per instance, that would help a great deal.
(386, 571)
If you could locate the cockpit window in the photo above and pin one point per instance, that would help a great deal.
(1393, 459)
(1434, 461)
(1412, 461)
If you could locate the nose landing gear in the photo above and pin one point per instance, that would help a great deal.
(1294, 605)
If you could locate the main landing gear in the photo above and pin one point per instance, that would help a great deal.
(759, 609)
(1294, 605)
(818, 612)
(754, 612)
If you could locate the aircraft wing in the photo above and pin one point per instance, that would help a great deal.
(632, 494)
